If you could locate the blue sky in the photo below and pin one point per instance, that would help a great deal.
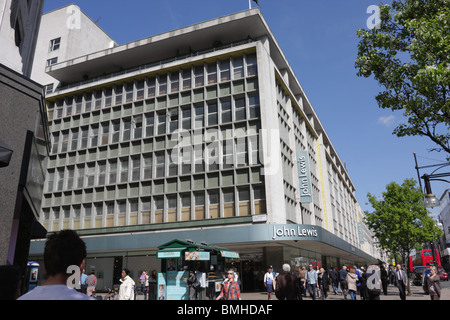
(319, 40)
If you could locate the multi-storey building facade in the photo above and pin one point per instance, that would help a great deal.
(201, 133)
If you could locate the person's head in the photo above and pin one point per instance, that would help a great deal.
(11, 280)
(310, 267)
(230, 274)
(270, 268)
(62, 250)
(433, 270)
(344, 267)
(399, 266)
(286, 268)
(125, 272)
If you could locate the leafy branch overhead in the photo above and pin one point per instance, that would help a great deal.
(408, 54)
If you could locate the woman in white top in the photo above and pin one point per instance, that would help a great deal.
(126, 290)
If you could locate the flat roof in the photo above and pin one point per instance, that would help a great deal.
(179, 42)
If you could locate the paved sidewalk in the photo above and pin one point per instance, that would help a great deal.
(393, 294)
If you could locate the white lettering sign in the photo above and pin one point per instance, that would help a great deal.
(294, 232)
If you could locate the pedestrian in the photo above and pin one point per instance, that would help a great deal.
(343, 280)
(142, 279)
(303, 281)
(351, 280)
(83, 286)
(230, 288)
(299, 283)
(384, 279)
(391, 275)
(201, 277)
(311, 281)
(432, 284)
(401, 280)
(193, 284)
(146, 285)
(269, 279)
(334, 279)
(126, 289)
(11, 280)
(91, 283)
(364, 287)
(287, 287)
(323, 283)
(152, 281)
(63, 250)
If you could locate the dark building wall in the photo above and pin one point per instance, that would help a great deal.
(21, 109)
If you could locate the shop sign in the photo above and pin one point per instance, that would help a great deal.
(304, 177)
(168, 254)
(294, 232)
(197, 256)
(229, 254)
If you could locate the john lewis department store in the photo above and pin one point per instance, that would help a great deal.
(201, 133)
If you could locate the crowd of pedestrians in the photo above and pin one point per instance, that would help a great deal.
(350, 281)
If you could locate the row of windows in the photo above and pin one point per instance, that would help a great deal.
(156, 124)
(211, 204)
(220, 155)
(193, 77)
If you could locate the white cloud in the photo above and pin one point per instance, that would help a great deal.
(386, 121)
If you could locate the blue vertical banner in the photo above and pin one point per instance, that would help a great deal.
(304, 177)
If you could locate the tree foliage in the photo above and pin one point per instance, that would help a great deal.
(400, 221)
(408, 54)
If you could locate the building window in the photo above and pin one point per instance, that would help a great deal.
(55, 44)
(187, 79)
(228, 203)
(224, 71)
(49, 89)
(226, 110)
(162, 85)
(199, 76)
(174, 82)
(52, 61)
(252, 67)
(238, 68)
(151, 88)
(212, 114)
(212, 73)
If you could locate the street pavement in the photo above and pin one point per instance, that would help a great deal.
(392, 294)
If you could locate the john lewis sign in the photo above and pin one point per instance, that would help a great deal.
(304, 177)
(294, 232)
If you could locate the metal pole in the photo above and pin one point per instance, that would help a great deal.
(418, 173)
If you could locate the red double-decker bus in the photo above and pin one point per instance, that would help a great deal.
(425, 258)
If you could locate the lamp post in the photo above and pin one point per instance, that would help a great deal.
(430, 200)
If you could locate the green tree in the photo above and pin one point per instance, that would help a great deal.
(400, 221)
(408, 54)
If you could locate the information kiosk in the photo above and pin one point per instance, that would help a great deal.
(178, 257)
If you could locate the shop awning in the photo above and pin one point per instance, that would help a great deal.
(174, 248)
(5, 154)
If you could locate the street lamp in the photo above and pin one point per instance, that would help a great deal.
(430, 201)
